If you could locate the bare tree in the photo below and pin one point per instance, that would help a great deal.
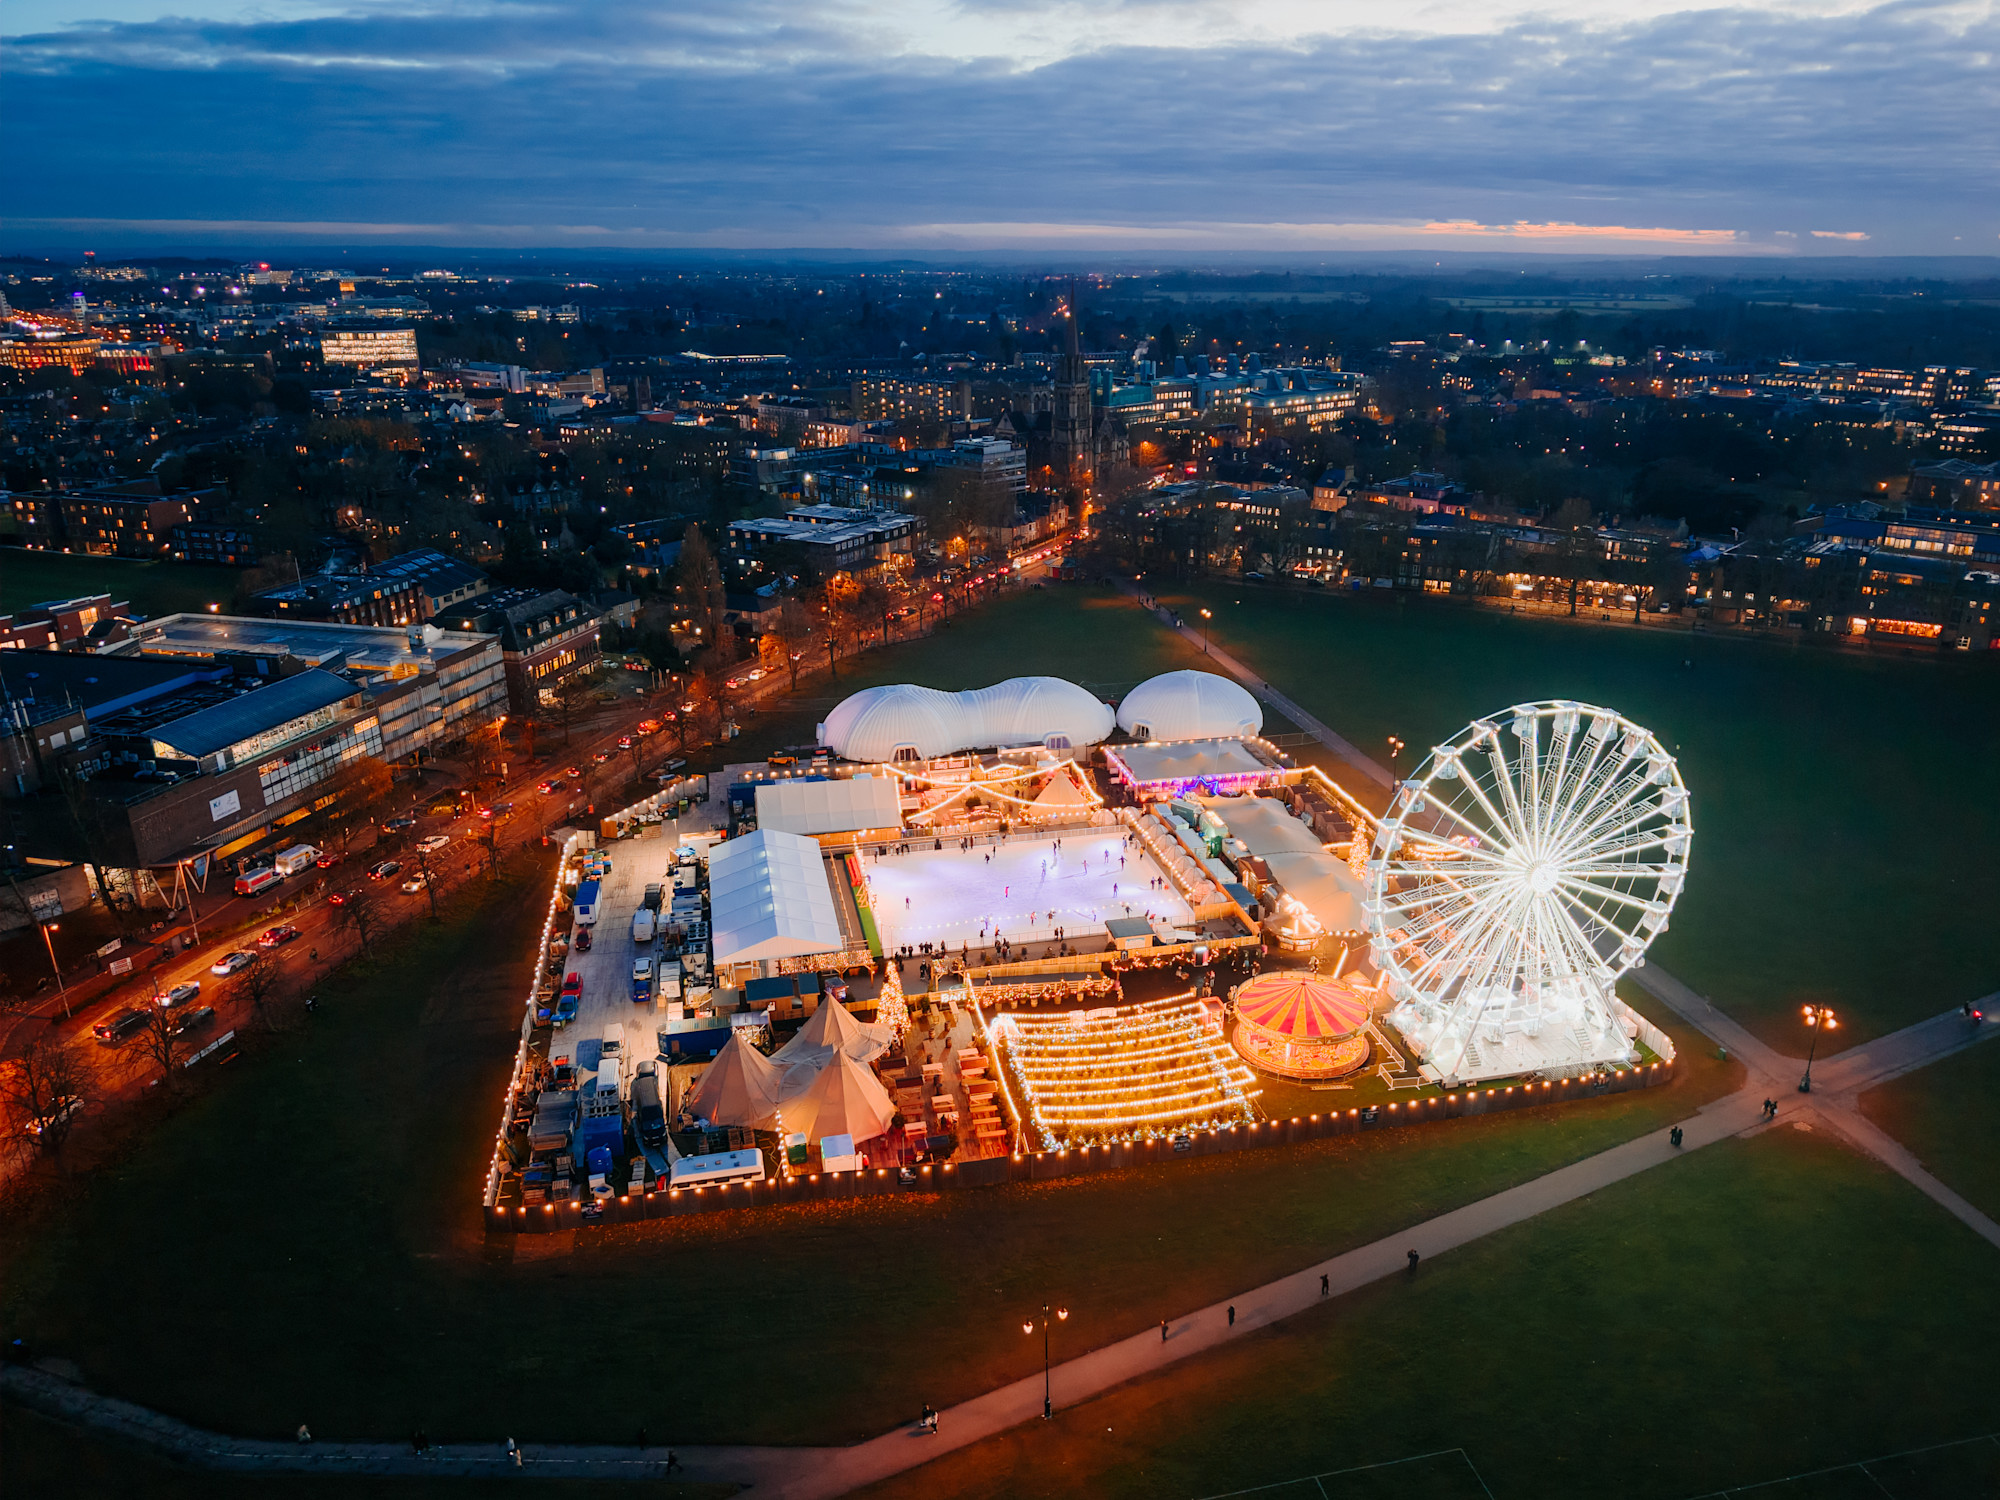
(572, 695)
(363, 913)
(423, 859)
(160, 1044)
(260, 982)
(40, 1082)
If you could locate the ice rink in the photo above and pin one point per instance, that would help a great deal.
(1021, 890)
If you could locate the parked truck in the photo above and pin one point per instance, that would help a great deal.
(290, 861)
(654, 895)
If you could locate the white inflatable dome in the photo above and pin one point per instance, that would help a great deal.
(1189, 706)
(906, 722)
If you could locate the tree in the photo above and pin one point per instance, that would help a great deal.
(259, 983)
(161, 1045)
(39, 1082)
(573, 694)
(699, 580)
(423, 858)
(362, 912)
(794, 633)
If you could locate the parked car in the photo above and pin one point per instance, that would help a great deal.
(192, 1020)
(229, 963)
(277, 937)
(583, 940)
(414, 884)
(126, 1023)
(384, 870)
(329, 859)
(399, 825)
(69, 1104)
(180, 994)
(781, 758)
(676, 764)
(433, 841)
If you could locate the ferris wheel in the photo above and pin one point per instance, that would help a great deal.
(1529, 862)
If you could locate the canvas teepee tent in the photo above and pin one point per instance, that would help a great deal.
(832, 1029)
(741, 1087)
(844, 1099)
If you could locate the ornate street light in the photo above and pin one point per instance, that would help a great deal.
(1819, 1018)
(1028, 1327)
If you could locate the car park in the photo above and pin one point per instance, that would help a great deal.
(384, 870)
(433, 841)
(277, 937)
(229, 963)
(192, 1020)
(128, 1022)
(180, 994)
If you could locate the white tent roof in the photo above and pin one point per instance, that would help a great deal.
(844, 1100)
(873, 724)
(768, 898)
(1189, 705)
(1325, 885)
(1264, 824)
(809, 807)
(830, 1029)
(741, 1087)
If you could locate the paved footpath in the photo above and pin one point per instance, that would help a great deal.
(812, 1473)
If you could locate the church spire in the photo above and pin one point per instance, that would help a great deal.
(1074, 349)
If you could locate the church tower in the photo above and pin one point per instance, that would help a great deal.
(1070, 432)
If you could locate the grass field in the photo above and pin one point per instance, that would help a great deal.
(1761, 1309)
(1949, 1115)
(154, 588)
(1837, 858)
(321, 1209)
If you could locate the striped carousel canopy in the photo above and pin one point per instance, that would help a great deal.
(1302, 1007)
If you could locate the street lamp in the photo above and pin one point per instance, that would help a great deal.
(1819, 1018)
(1206, 616)
(1028, 1327)
(48, 936)
(1395, 747)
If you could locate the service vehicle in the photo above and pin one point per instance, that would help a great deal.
(586, 903)
(229, 963)
(126, 1023)
(384, 870)
(277, 937)
(290, 861)
(643, 921)
(256, 882)
(180, 994)
(781, 758)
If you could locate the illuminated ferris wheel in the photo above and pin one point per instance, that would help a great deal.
(1530, 861)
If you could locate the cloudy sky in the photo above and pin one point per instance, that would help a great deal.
(1802, 127)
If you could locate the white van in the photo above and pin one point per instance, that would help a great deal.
(290, 861)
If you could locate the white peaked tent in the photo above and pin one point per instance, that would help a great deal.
(844, 1099)
(832, 1029)
(741, 1087)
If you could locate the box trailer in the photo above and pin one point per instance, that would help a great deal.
(586, 903)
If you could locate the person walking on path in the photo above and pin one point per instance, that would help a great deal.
(673, 1462)
(1325, 1288)
(304, 1435)
(1414, 1258)
(1232, 1315)
(1163, 1330)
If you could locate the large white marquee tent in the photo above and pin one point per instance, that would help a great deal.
(768, 898)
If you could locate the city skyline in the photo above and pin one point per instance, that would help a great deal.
(1592, 127)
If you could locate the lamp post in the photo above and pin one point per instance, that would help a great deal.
(48, 936)
(1206, 616)
(1395, 747)
(1819, 1018)
(1028, 1327)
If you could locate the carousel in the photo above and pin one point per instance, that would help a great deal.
(1301, 1025)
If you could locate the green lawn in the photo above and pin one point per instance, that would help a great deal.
(1949, 1115)
(154, 588)
(1763, 1308)
(321, 1213)
(1815, 776)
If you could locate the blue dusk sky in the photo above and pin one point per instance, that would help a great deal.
(1796, 128)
